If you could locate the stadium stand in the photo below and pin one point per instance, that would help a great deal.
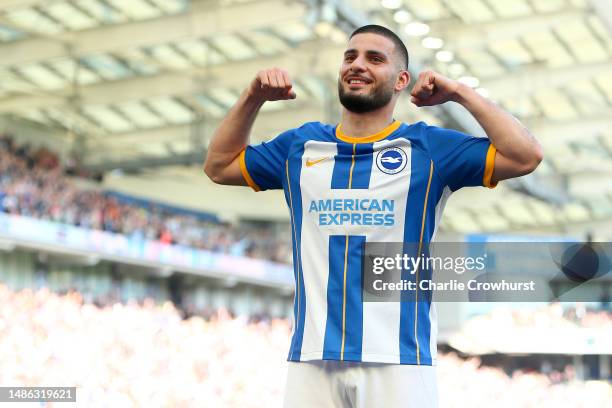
(142, 354)
(548, 338)
(145, 302)
(32, 184)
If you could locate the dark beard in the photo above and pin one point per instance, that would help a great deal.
(364, 103)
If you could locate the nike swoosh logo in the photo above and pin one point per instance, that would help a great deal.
(310, 163)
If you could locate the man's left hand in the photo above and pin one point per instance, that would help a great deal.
(432, 88)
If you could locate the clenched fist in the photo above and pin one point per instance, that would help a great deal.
(272, 84)
(432, 88)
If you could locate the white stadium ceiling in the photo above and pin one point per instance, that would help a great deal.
(145, 81)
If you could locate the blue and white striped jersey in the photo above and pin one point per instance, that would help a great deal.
(343, 191)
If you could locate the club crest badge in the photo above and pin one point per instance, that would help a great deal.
(391, 160)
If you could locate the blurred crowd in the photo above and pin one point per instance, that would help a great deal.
(467, 383)
(553, 315)
(33, 184)
(142, 354)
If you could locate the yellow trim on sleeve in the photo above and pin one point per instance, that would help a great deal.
(245, 172)
(489, 167)
(368, 139)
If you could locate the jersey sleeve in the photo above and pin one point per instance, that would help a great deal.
(461, 160)
(263, 165)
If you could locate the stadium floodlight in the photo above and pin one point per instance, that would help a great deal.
(391, 4)
(416, 29)
(433, 43)
(402, 16)
(323, 29)
(470, 81)
(328, 13)
(445, 56)
(338, 36)
(483, 91)
(603, 9)
(456, 69)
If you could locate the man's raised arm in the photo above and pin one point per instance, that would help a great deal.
(232, 136)
(518, 152)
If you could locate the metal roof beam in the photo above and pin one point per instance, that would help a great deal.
(140, 163)
(202, 21)
(560, 132)
(603, 9)
(478, 35)
(268, 125)
(236, 75)
(531, 79)
(9, 4)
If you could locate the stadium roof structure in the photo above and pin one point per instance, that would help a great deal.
(144, 82)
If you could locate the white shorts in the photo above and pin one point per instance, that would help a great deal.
(341, 384)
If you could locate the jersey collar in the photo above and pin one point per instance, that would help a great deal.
(370, 138)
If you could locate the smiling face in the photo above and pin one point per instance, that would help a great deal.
(370, 74)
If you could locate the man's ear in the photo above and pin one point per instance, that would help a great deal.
(403, 80)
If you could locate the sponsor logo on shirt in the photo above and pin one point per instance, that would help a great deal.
(367, 212)
(310, 162)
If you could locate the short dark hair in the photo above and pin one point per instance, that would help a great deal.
(400, 48)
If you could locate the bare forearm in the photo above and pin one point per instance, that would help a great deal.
(222, 164)
(232, 134)
(506, 133)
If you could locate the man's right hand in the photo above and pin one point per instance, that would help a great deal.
(222, 163)
(272, 84)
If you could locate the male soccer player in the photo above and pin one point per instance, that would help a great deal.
(368, 179)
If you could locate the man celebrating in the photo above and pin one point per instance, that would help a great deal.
(368, 179)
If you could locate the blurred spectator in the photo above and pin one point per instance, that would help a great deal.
(553, 315)
(32, 184)
(146, 355)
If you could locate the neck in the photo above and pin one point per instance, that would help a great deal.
(368, 123)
